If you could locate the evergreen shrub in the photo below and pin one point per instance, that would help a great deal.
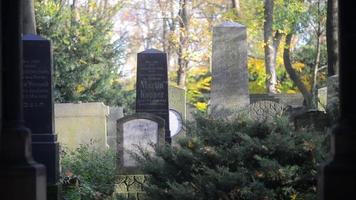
(88, 173)
(236, 160)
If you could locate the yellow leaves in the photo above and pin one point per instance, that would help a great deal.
(293, 196)
(202, 106)
(92, 5)
(256, 65)
(299, 67)
(80, 88)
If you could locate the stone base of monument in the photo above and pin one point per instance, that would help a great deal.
(130, 187)
(18, 171)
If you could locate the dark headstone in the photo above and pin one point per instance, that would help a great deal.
(38, 103)
(152, 85)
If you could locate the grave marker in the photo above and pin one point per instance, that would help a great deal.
(229, 88)
(38, 106)
(141, 129)
(152, 86)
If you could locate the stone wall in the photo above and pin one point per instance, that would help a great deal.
(287, 99)
(81, 123)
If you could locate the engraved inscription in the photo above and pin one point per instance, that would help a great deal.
(36, 84)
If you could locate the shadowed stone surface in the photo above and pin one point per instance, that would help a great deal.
(229, 90)
(263, 111)
(115, 113)
(142, 130)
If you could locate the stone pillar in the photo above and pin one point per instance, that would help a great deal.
(20, 176)
(337, 177)
(229, 89)
(152, 86)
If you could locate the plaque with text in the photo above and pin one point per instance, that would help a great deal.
(37, 84)
(152, 85)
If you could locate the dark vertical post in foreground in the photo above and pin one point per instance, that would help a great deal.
(152, 86)
(337, 178)
(20, 176)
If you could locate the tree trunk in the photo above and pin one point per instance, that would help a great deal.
(314, 84)
(73, 12)
(29, 21)
(183, 42)
(332, 37)
(292, 73)
(315, 74)
(235, 4)
(270, 51)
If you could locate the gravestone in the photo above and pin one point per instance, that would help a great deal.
(322, 98)
(333, 101)
(115, 113)
(140, 129)
(177, 100)
(229, 88)
(152, 86)
(82, 123)
(38, 105)
(177, 110)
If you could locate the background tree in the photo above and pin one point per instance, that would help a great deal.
(271, 42)
(87, 59)
(313, 54)
(29, 22)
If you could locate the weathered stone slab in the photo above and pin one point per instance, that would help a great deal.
(333, 101)
(142, 130)
(115, 113)
(152, 85)
(177, 100)
(322, 98)
(177, 110)
(229, 89)
(81, 123)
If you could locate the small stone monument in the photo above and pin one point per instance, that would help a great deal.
(177, 110)
(152, 86)
(82, 123)
(142, 130)
(229, 89)
(115, 113)
(38, 106)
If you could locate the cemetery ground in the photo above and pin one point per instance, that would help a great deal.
(217, 159)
